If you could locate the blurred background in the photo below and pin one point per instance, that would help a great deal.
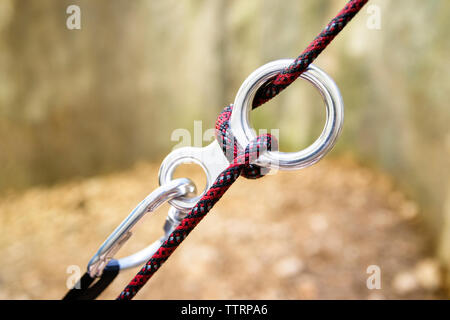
(87, 115)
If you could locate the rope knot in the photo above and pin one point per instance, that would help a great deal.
(243, 157)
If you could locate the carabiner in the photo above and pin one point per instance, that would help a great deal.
(173, 189)
(173, 219)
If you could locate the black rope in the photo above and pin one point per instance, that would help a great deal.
(88, 289)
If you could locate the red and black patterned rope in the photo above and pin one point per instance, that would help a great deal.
(241, 160)
(294, 70)
(241, 164)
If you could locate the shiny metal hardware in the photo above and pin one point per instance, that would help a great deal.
(211, 158)
(173, 219)
(173, 189)
(180, 193)
(244, 133)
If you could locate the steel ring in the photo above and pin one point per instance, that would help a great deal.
(243, 133)
(210, 158)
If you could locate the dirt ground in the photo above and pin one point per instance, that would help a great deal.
(309, 234)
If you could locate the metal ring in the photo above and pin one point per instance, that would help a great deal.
(210, 158)
(242, 131)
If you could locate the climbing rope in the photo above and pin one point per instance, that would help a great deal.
(242, 162)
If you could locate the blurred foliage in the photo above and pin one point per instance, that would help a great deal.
(83, 102)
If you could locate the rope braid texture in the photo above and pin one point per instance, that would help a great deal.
(241, 159)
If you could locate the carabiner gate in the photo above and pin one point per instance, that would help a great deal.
(176, 188)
